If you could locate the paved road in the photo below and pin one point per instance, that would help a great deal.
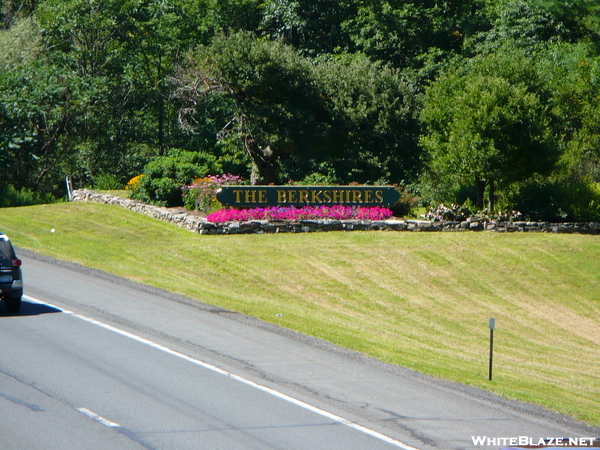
(97, 362)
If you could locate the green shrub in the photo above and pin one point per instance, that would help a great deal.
(164, 177)
(107, 182)
(319, 179)
(407, 203)
(558, 201)
(9, 196)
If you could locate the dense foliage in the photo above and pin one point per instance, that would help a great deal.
(494, 102)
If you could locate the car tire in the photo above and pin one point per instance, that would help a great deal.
(13, 305)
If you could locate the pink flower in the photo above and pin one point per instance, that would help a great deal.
(335, 212)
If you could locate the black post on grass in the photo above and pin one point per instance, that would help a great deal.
(492, 326)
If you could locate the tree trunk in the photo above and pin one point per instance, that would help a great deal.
(481, 184)
(263, 162)
(161, 126)
(492, 196)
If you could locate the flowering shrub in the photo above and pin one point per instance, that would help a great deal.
(463, 212)
(510, 216)
(134, 183)
(133, 186)
(164, 176)
(452, 212)
(336, 212)
(201, 194)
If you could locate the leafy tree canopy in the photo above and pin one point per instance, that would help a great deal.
(289, 111)
(487, 122)
(304, 90)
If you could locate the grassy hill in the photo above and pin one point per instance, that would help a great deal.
(421, 300)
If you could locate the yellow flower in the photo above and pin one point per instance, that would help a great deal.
(134, 183)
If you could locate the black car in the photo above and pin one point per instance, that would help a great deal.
(11, 278)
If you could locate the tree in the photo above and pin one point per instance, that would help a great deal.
(520, 24)
(573, 76)
(313, 27)
(20, 45)
(12, 10)
(230, 16)
(126, 52)
(402, 32)
(37, 111)
(276, 105)
(374, 114)
(348, 116)
(38, 108)
(583, 15)
(487, 124)
(91, 41)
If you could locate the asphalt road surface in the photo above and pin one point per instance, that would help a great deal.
(97, 362)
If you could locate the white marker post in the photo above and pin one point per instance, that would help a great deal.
(492, 326)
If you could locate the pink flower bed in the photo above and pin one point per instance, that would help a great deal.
(337, 212)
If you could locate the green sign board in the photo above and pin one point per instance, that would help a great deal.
(257, 196)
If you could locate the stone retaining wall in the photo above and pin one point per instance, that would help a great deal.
(201, 226)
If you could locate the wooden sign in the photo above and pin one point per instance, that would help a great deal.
(263, 196)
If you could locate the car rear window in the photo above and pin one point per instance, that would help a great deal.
(6, 253)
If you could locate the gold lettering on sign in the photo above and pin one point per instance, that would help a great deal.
(314, 197)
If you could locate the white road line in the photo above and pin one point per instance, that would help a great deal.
(209, 366)
(97, 418)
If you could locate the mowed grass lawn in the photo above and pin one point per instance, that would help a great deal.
(421, 300)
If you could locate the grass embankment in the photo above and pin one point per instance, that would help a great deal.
(421, 300)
